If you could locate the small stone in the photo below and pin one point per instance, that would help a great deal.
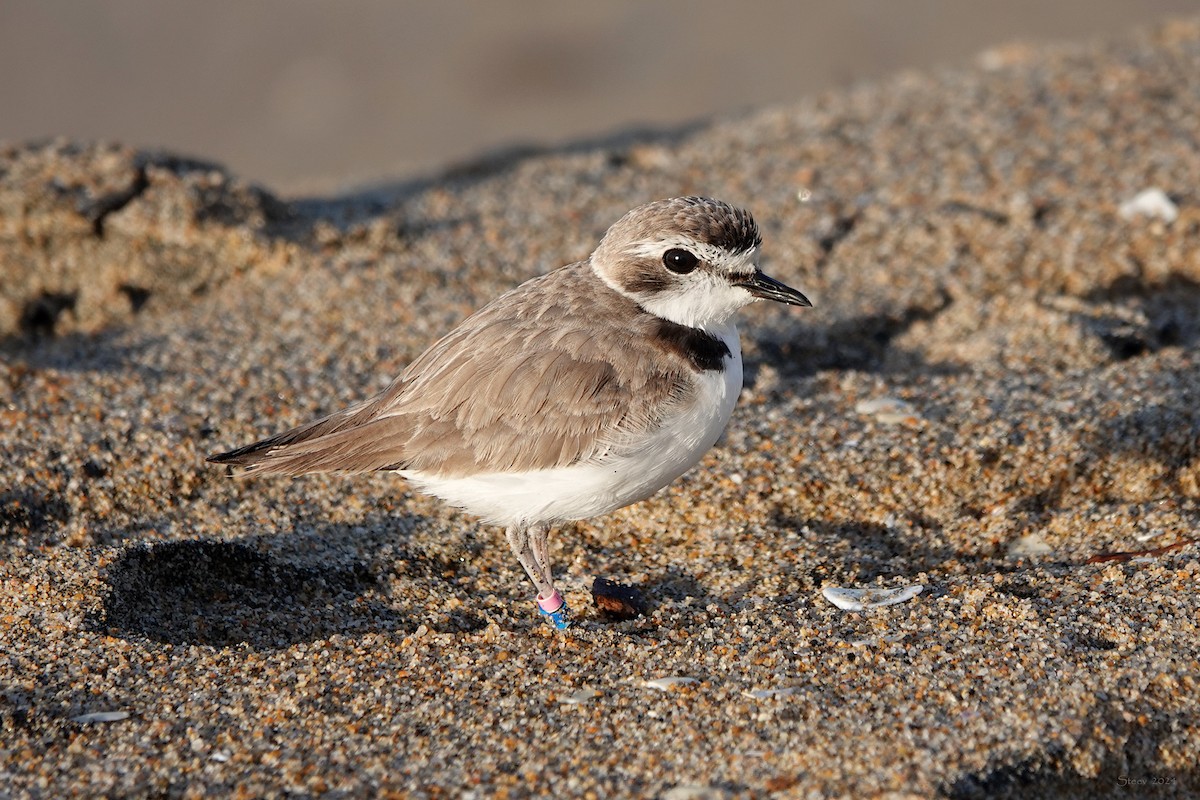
(101, 716)
(1152, 203)
(616, 602)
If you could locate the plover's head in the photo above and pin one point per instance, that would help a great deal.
(690, 260)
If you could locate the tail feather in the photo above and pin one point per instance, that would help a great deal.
(312, 447)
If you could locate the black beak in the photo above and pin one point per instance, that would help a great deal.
(764, 286)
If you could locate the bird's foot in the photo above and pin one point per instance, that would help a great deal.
(555, 608)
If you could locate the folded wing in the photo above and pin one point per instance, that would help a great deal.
(505, 391)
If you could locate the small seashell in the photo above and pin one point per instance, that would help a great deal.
(1152, 203)
(693, 791)
(584, 695)
(1030, 545)
(220, 756)
(101, 716)
(763, 694)
(887, 410)
(669, 683)
(859, 599)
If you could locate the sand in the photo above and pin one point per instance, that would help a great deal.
(996, 395)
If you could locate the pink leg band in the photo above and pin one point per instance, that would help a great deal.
(551, 604)
(555, 609)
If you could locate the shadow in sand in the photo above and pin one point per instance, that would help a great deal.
(677, 584)
(31, 516)
(1128, 772)
(1166, 433)
(271, 591)
(864, 343)
(104, 351)
(223, 593)
(867, 550)
(1167, 305)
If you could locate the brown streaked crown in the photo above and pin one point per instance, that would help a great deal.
(701, 219)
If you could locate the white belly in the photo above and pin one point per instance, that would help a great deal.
(588, 490)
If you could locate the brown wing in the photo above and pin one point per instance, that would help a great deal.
(528, 382)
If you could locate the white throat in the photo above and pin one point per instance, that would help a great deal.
(707, 307)
(702, 299)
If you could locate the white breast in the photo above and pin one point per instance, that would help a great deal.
(588, 490)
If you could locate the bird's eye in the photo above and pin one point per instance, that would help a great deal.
(679, 260)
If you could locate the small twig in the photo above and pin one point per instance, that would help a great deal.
(1155, 551)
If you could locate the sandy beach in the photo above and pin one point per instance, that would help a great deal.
(996, 397)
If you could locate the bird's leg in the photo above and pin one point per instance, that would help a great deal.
(533, 551)
(551, 603)
(521, 541)
(539, 541)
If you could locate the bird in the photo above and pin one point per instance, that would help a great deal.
(579, 392)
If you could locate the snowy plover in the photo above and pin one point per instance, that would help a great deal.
(575, 394)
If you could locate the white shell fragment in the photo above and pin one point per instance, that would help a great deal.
(101, 716)
(859, 599)
(1029, 545)
(887, 410)
(763, 694)
(1152, 203)
(693, 791)
(669, 683)
(584, 695)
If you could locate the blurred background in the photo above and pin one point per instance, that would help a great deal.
(312, 97)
